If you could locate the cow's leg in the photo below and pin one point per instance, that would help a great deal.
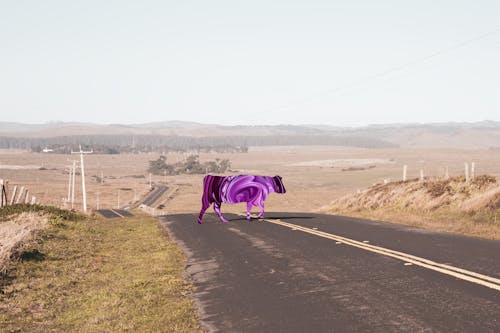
(249, 209)
(261, 214)
(217, 210)
(204, 207)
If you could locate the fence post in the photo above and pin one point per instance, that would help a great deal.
(13, 197)
(2, 190)
(19, 197)
(473, 170)
(466, 172)
(6, 188)
(405, 170)
(446, 174)
(27, 198)
(421, 175)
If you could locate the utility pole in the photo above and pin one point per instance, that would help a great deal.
(82, 168)
(69, 184)
(73, 176)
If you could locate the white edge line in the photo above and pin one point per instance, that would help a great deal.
(114, 211)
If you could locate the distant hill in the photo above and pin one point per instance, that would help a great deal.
(479, 135)
(172, 124)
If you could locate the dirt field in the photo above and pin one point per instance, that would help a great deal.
(313, 175)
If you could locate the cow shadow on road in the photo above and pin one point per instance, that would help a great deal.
(284, 218)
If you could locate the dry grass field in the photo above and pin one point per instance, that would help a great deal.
(313, 175)
(124, 176)
(311, 187)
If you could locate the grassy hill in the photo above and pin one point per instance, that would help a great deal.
(444, 205)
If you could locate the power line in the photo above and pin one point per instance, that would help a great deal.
(388, 71)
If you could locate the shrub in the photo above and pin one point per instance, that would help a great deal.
(438, 188)
(191, 165)
(484, 180)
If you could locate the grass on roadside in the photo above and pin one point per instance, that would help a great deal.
(482, 224)
(98, 276)
(7, 212)
(446, 205)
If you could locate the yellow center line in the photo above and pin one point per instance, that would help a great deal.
(484, 280)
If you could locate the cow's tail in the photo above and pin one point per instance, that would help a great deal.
(208, 189)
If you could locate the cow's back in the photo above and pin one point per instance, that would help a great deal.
(245, 188)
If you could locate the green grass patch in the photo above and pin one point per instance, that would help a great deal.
(118, 275)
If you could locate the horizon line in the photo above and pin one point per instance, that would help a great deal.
(60, 122)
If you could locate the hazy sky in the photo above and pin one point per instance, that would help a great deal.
(332, 62)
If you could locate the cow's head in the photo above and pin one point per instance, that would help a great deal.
(278, 185)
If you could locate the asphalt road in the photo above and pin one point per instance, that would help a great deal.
(108, 213)
(261, 276)
(123, 212)
(114, 213)
(155, 195)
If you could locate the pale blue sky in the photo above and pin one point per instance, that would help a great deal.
(250, 62)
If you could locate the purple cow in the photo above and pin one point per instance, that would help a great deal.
(233, 189)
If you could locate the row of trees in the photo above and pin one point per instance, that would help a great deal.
(191, 165)
(139, 149)
(159, 143)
